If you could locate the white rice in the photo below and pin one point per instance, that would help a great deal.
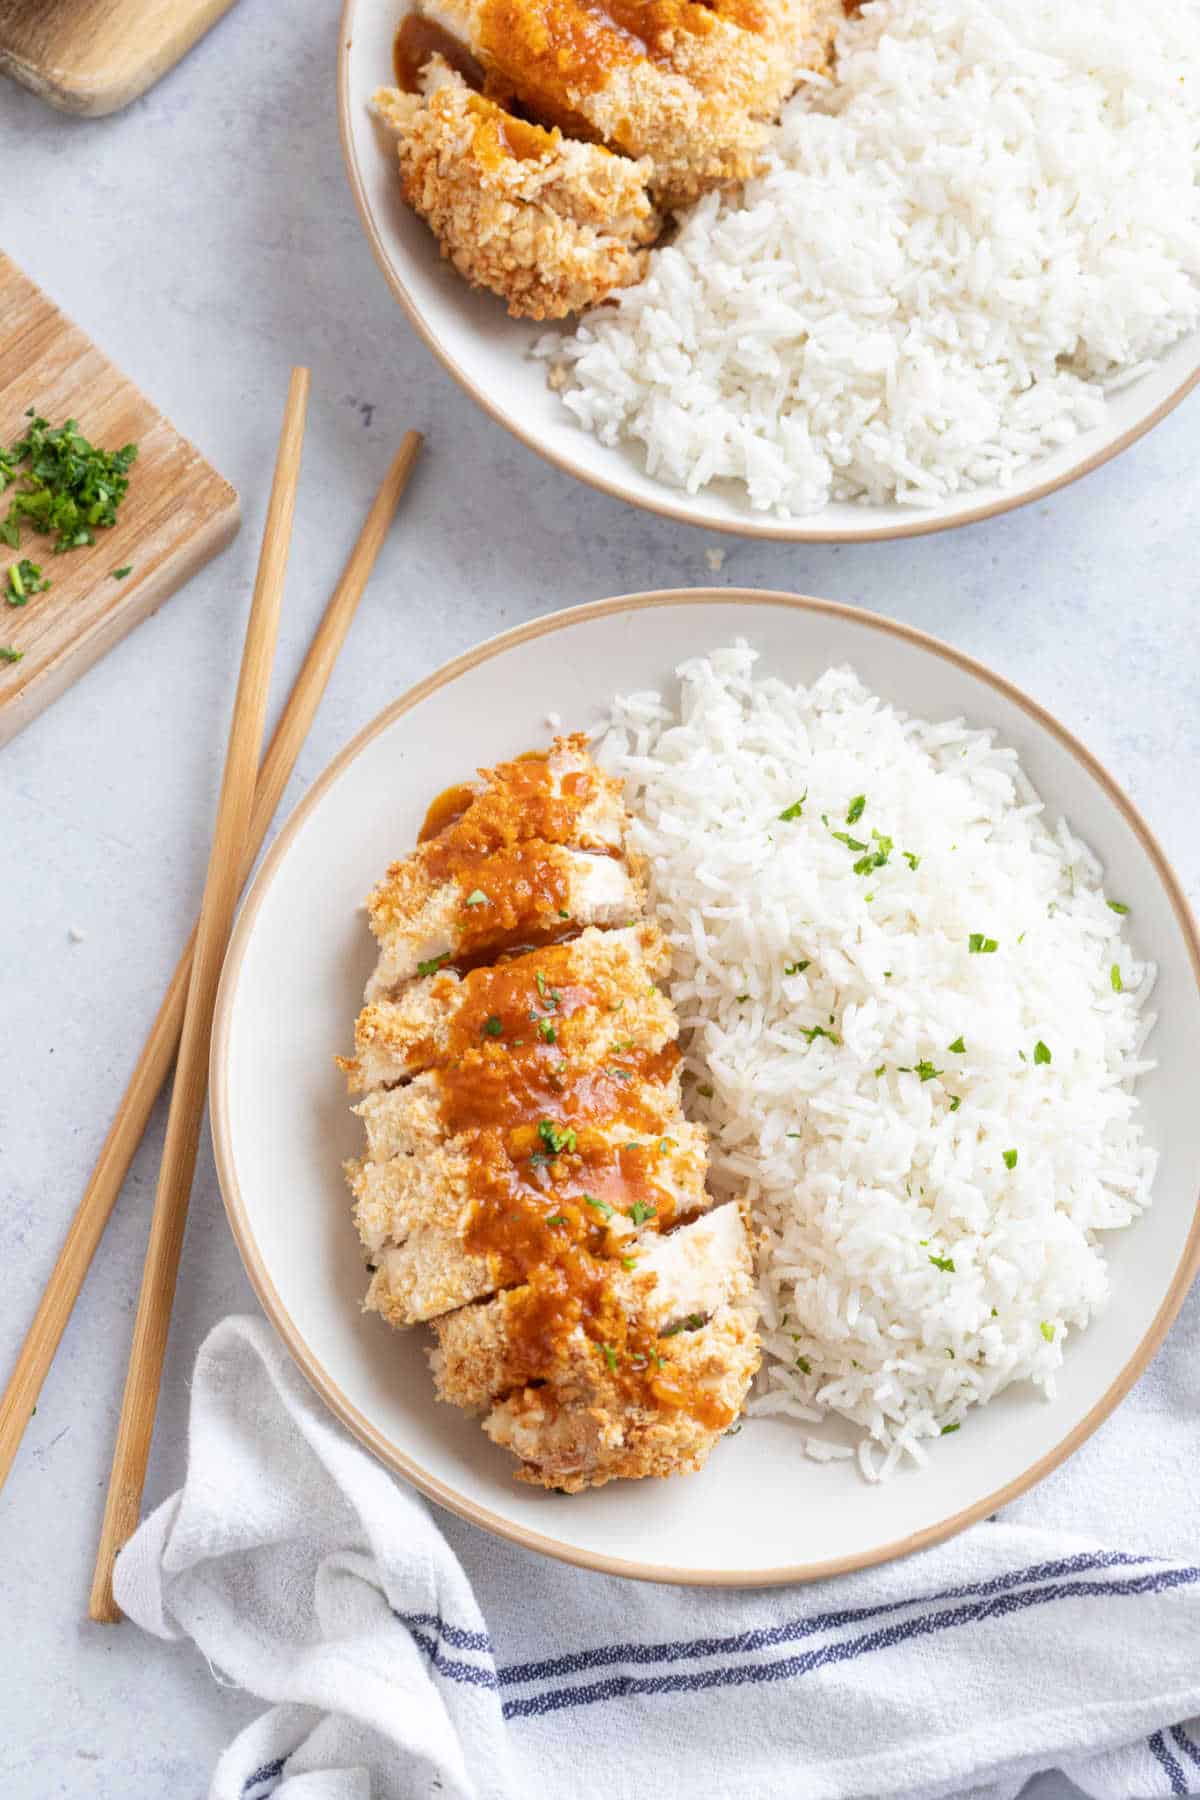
(908, 1272)
(990, 217)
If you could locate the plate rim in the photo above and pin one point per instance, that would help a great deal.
(389, 1453)
(771, 530)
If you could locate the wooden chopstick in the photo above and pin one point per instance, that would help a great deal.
(152, 1322)
(128, 1127)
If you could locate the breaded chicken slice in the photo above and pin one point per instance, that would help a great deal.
(437, 1266)
(584, 999)
(688, 85)
(513, 861)
(574, 1437)
(561, 796)
(526, 1102)
(485, 1351)
(435, 905)
(551, 225)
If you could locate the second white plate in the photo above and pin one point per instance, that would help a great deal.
(488, 353)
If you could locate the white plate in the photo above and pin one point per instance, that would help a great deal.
(760, 1511)
(488, 353)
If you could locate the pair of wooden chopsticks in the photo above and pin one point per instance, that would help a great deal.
(244, 814)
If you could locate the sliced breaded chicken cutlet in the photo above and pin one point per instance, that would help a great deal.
(589, 996)
(637, 1373)
(534, 853)
(549, 224)
(530, 1183)
(689, 86)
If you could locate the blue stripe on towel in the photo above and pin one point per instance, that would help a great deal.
(1174, 1773)
(268, 1772)
(449, 1634)
(846, 1650)
(768, 1637)
(1185, 1744)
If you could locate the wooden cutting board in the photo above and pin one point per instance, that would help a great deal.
(94, 56)
(177, 514)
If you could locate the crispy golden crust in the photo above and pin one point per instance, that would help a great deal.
(689, 86)
(550, 225)
(587, 1434)
(530, 1184)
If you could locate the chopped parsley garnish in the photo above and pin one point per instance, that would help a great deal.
(609, 1354)
(874, 859)
(557, 1137)
(978, 945)
(956, 1103)
(625, 1044)
(547, 1032)
(742, 999)
(693, 1322)
(947, 1429)
(925, 1070)
(1118, 906)
(665, 1143)
(914, 862)
(563, 913)
(557, 1219)
(856, 808)
(120, 574)
(478, 898)
(9, 655)
(945, 1263)
(1114, 976)
(851, 843)
(1041, 1052)
(1010, 1159)
(67, 487)
(24, 578)
(796, 968)
(957, 1048)
(621, 1074)
(641, 1210)
(601, 1206)
(880, 1070)
(804, 1366)
(493, 1026)
(794, 810)
(1047, 1331)
(812, 1032)
(433, 965)
(629, 1262)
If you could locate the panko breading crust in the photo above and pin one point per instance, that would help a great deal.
(553, 230)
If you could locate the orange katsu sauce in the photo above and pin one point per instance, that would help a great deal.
(557, 1152)
(419, 39)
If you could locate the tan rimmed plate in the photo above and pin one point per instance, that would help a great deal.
(489, 354)
(760, 1511)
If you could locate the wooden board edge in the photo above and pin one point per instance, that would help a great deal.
(89, 96)
(212, 536)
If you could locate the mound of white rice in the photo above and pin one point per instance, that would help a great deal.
(993, 213)
(913, 1026)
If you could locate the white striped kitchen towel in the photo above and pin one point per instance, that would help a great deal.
(404, 1654)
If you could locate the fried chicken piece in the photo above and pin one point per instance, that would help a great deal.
(485, 1351)
(514, 863)
(585, 998)
(689, 85)
(433, 905)
(551, 225)
(571, 1440)
(426, 1267)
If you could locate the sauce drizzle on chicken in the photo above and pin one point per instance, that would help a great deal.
(583, 1294)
